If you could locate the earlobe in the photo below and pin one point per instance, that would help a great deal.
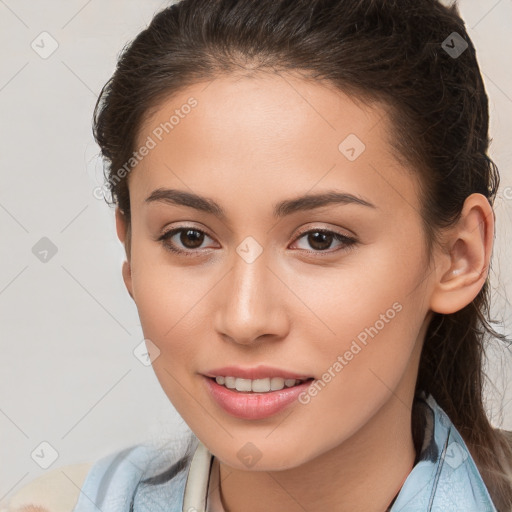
(463, 268)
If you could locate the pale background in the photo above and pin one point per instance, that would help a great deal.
(68, 328)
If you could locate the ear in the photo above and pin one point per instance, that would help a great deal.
(123, 235)
(462, 267)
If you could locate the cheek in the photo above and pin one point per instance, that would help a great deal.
(168, 303)
(366, 325)
(373, 283)
(361, 367)
(363, 336)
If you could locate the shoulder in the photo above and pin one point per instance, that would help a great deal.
(55, 491)
(110, 482)
(60, 490)
(63, 489)
(144, 472)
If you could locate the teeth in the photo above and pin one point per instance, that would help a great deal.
(257, 385)
(243, 385)
(229, 382)
(276, 383)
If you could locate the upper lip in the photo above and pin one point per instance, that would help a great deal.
(257, 372)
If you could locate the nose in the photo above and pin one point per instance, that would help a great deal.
(252, 303)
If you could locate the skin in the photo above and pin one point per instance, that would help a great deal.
(250, 143)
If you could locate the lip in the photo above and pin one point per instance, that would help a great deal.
(253, 406)
(257, 372)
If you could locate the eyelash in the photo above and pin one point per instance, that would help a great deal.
(348, 242)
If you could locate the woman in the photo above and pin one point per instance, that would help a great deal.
(305, 198)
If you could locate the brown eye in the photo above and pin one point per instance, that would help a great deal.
(185, 240)
(191, 238)
(321, 239)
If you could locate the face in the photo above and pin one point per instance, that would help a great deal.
(251, 274)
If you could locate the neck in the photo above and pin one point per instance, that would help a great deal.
(362, 474)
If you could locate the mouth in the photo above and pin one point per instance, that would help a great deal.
(255, 399)
(251, 386)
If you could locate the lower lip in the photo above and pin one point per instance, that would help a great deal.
(254, 406)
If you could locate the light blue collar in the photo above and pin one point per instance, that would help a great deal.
(445, 478)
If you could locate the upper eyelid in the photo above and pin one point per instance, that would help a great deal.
(177, 229)
(324, 229)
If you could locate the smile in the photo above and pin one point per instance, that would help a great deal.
(255, 405)
(257, 385)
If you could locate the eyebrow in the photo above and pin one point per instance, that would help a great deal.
(287, 207)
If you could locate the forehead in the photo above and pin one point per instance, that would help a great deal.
(268, 134)
(263, 105)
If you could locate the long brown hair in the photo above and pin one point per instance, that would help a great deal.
(392, 52)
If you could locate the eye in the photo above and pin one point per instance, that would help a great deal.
(189, 237)
(321, 239)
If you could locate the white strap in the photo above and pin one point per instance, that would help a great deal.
(194, 499)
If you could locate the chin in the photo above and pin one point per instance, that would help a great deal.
(267, 458)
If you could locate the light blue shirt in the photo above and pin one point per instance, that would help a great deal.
(444, 478)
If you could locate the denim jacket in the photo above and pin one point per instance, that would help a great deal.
(139, 479)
